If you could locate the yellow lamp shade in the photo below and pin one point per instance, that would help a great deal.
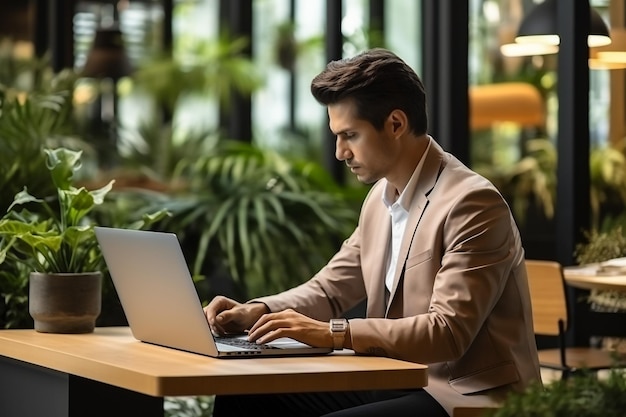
(514, 102)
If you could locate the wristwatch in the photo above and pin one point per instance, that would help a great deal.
(338, 328)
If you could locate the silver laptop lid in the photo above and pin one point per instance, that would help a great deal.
(155, 288)
(159, 297)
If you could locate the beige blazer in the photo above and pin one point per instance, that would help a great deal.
(460, 302)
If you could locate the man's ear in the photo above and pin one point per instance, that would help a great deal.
(398, 122)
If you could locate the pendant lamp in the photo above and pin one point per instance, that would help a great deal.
(611, 56)
(107, 57)
(537, 34)
(540, 26)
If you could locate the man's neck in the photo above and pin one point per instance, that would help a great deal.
(411, 156)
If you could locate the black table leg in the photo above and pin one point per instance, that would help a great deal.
(30, 390)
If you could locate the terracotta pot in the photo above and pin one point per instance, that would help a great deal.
(65, 303)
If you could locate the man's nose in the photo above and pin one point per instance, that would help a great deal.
(341, 151)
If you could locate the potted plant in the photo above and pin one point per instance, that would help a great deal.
(58, 245)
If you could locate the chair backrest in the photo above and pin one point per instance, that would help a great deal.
(547, 293)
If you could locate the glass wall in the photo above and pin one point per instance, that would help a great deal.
(518, 152)
(289, 50)
(288, 46)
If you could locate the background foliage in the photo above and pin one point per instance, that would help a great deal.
(582, 395)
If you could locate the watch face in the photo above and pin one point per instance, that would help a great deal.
(338, 325)
(338, 328)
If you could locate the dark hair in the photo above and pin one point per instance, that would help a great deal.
(379, 82)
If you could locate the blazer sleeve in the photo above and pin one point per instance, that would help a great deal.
(336, 288)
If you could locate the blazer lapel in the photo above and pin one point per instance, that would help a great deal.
(376, 287)
(433, 164)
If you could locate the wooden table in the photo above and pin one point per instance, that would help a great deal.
(587, 278)
(109, 373)
(598, 323)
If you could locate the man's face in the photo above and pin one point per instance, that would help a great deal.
(366, 151)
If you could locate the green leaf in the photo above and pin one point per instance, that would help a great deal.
(99, 194)
(42, 242)
(78, 235)
(63, 163)
(23, 197)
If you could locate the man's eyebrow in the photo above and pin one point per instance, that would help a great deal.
(342, 132)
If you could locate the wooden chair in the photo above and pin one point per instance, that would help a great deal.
(550, 318)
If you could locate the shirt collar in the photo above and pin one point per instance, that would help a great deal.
(404, 200)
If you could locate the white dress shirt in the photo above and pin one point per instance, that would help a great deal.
(397, 203)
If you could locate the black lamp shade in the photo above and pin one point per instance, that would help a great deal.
(107, 57)
(542, 21)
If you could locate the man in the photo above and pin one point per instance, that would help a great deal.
(436, 254)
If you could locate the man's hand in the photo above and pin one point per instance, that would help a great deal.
(289, 323)
(229, 316)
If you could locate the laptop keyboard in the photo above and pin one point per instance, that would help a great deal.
(243, 343)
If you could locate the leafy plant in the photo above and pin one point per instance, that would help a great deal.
(581, 395)
(14, 296)
(533, 179)
(608, 186)
(60, 237)
(269, 222)
(212, 67)
(33, 115)
(200, 406)
(288, 48)
(600, 247)
(22, 74)
(530, 180)
(27, 125)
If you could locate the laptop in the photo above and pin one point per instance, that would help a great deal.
(161, 303)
